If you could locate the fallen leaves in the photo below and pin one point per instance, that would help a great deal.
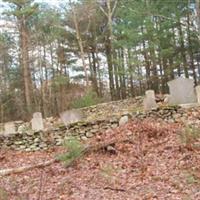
(148, 165)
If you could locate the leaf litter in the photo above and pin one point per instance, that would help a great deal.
(151, 164)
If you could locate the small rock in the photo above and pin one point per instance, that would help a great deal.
(114, 125)
(89, 134)
(84, 138)
(123, 120)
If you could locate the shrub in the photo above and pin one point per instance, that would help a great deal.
(89, 99)
(190, 136)
(74, 150)
(3, 194)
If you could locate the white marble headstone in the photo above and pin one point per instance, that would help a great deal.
(9, 128)
(197, 88)
(37, 122)
(149, 100)
(182, 91)
(71, 116)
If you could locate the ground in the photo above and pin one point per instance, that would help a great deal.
(154, 165)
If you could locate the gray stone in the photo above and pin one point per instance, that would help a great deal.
(36, 140)
(95, 126)
(22, 147)
(71, 116)
(9, 128)
(84, 138)
(23, 128)
(197, 89)
(114, 125)
(150, 93)
(182, 91)
(189, 105)
(167, 98)
(37, 122)
(149, 101)
(89, 134)
(123, 120)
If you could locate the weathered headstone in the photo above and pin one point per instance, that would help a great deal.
(71, 116)
(37, 122)
(181, 91)
(197, 88)
(9, 128)
(149, 100)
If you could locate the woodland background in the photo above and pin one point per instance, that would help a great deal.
(79, 53)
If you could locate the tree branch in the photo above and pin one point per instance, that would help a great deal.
(87, 149)
(103, 11)
(114, 7)
(6, 172)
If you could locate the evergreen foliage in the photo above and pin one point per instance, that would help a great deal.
(120, 47)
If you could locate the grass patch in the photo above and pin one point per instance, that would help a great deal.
(89, 99)
(190, 137)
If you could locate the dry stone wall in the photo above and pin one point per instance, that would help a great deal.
(173, 114)
(42, 140)
(100, 118)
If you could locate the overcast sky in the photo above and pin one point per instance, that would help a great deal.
(51, 2)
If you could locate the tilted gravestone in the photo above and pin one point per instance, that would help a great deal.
(37, 122)
(181, 91)
(149, 100)
(9, 128)
(71, 116)
(197, 88)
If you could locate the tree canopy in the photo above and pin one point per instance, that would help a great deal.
(116, 47)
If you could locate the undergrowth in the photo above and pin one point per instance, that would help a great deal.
(74, 150)
(89, 99)
(3, 194)
(190, 137)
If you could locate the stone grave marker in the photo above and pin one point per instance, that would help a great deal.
(149, 100)
(9, 128)
(181, 91)
(37, 122)
(197, 89)
(71, 116)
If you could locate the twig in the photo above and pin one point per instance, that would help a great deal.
(88, 149)
(6, 172)
(114, 189)
(41, 185)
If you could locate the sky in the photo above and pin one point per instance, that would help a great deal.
(51, 2)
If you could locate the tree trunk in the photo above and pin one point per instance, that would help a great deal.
(94, 69)
(25, 65)
(198, 14)
(183, 51)
(108, 43)
(108, 47)
(80, 43)
(190, 51)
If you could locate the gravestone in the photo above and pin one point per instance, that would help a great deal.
(181, 91)
(71, 116)
(197, 88)
(37, 122)
(9, 128)
(149, 100)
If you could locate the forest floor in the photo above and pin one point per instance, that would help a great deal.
(155, 165)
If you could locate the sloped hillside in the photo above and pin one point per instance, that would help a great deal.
(145, 160)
